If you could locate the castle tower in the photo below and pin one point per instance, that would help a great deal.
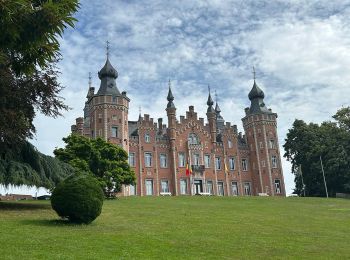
(109, 108)
(260, 126)
(171, 114)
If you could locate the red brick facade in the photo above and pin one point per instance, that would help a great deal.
(223, 161)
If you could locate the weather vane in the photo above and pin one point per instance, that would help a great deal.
(107, 48)
(140, 110)
(209, 88)
(254, 73)
(89, 79)
(169, 83)
(216, 97)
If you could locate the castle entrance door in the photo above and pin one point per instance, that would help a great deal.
(198, 187)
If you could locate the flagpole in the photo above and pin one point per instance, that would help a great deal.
(302, 179)
(324, 178)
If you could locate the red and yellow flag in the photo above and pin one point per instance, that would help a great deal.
(188, 169)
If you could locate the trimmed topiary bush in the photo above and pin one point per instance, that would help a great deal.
(79, 198)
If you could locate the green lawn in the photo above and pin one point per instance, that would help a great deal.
(182, 228)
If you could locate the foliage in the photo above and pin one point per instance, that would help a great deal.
(187, 227)
(79, 198)
(306, 143)
(29, 49)
(27, 166)
(106, 161)
(343, 118)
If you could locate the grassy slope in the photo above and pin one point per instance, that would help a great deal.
(182, 227)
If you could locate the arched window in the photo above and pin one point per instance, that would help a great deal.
(193, 138)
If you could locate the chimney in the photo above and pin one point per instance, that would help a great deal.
(160, 124)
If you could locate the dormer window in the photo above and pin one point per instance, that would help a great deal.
(193, 139)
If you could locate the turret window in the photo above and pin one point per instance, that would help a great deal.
(274, 161)
(272, 144)
(261, 145)
(244, 165)
(114, 132)
(147, 138)
(229, 143)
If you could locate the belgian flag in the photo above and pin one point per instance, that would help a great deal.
(188, 169)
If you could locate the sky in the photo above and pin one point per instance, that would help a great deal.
(300, 51)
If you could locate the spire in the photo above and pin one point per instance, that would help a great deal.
(217, 108)
(108, 75)
(210, 102)
(90, 80)
(256, 96)
(91, 90)
(170, 97)
(140, 117)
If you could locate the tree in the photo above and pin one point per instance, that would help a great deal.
(343, 118)
(106, 161)
(305, 143)
(27, 166)
(29, 50)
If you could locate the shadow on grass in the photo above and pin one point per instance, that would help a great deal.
(50, 223)
(6, 205)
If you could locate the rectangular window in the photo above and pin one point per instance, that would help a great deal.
(132, 190)
(261, 145)
(183, 186)
(231, 162)
(100, 132)
(207, 160)
(274, 161)
(181, 160)
(244, 165)
(277, 186)
(132, 159)
(149, 187)
(247, 190)
(114, 118)
(195, 159)
(163, 161)
(220, 188)
(147, 138)
(148, 159)
(229, 142)
(263, 163)
(217, 163)
(272, 144)
(234, 188)
(210, 187)
(164, 186)
(114, 131)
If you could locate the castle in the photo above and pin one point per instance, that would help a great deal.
(188, 156)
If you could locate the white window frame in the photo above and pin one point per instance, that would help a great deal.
(116, 131)
(147, 138)
(207, 160)
(152, 190)
(234, 192)
(183, 187)
(231, 162)
(247, 189)
(277, 186)
(210, 187)
(182, 160)
(218, 163)
(148, 155)
(272, 144)
(132, 161)
(164, 188)
(221, 184)
(244, 163)
(196, 159)
(163, 160)
(274, 161)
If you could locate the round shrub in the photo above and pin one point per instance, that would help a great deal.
(79, 198)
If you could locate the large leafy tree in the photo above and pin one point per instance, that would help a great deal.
(29, 50)
(106, 161)
(306, 143)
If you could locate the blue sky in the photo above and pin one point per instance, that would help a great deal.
(300, 49)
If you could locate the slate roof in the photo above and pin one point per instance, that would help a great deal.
(108, 85)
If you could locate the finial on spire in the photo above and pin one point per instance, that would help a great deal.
(208, 88)
(140, 110)
(90, 83)
(169, 83)
(107, 49)
(216, 96)
(254, 73)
